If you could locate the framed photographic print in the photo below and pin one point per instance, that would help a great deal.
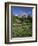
(20, 22)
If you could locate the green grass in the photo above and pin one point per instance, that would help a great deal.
(21, 27)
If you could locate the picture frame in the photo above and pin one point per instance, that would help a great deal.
(14, 10)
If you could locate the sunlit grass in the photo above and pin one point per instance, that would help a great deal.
(21, 27)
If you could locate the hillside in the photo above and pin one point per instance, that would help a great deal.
(21, 26)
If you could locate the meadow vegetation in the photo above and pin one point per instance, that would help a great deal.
(21, 26)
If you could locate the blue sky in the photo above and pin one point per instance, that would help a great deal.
(16, 10)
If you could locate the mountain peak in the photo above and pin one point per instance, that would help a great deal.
(23, 14)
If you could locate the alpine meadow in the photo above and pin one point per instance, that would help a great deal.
(21, 21)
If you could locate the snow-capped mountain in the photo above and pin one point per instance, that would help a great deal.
(22, 14)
